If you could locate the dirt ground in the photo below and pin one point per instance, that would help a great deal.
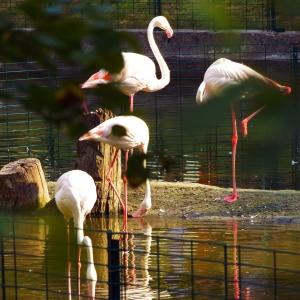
(193, 200)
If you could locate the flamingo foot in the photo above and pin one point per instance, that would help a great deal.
(233, 198)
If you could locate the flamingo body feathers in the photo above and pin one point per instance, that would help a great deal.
(135, 134)
(139, 71)
(224, 73)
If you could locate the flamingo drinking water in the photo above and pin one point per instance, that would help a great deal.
(224, 74)
(75, 196)
(139, 72)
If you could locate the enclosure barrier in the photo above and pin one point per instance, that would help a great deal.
(272, 15)
(34, 266)
(194, 153)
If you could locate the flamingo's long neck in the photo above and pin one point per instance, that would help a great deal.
(146, 203)
(147, 199)
(85, 241)
(165, 72)
(78, 224)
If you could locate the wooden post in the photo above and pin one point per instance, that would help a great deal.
(94, 158)
(23, 185)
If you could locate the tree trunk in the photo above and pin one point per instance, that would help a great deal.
(95, 158)
(23, 185)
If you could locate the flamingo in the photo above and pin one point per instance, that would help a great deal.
(225, 74)
(75, 196)
(127, 133)
(139, 72)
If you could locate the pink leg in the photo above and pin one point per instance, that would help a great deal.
(108, 178)
(69, 262)
(85, 106)
(125, 191)
(78, 271)
(234, 140)
(131, 103)
(244, 123)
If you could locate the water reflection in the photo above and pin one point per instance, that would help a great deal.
(161, 254)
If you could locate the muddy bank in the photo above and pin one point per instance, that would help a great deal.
(197, 201)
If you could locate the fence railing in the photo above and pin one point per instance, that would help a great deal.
(196, 15)
(34, 265)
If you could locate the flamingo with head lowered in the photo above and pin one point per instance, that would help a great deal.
(139, 72)
(225, 74)
(75, 196)
(126, 133)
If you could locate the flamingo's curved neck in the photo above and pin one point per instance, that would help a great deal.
(165, 72)
(147, 198)
(78, 224)
(89, 248)
(85, 241)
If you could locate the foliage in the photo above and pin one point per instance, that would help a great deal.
(62, 31)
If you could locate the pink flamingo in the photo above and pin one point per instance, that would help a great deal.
(126, 133)
(139, 72)
(224, 74)
(75, 196)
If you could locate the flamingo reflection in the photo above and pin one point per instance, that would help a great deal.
(237, 282)
(137, 286)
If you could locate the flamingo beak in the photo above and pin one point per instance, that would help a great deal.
(169, 33)
(86, 136)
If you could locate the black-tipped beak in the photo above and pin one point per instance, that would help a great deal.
(169, 40)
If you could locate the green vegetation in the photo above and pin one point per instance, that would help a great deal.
(189, 14)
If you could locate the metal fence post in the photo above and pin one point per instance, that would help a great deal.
(2, 261)
(273, 19)
(157, 7)
(114, 268)
(295, 91)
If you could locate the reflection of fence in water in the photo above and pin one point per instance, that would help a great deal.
(34, 264)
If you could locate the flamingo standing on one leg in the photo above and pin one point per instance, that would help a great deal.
(223, 74)
(124, 132)
(75, 196)
(139, 72)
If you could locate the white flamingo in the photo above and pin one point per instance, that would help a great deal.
(75, 196)
(134, 133)
(223, 74)
(139, 72)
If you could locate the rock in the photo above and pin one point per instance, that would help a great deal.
(23, 185)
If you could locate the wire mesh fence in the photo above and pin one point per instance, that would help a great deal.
(177, 152)
(192, 153)
(34, 264)
(195, 15)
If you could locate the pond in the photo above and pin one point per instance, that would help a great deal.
(165, 258)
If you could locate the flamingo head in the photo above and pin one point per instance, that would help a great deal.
(163, 24)
(286, 90)
(91, 135)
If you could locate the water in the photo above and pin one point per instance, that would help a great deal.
(161, 255)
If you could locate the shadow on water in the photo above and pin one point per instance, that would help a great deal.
(157, 252)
